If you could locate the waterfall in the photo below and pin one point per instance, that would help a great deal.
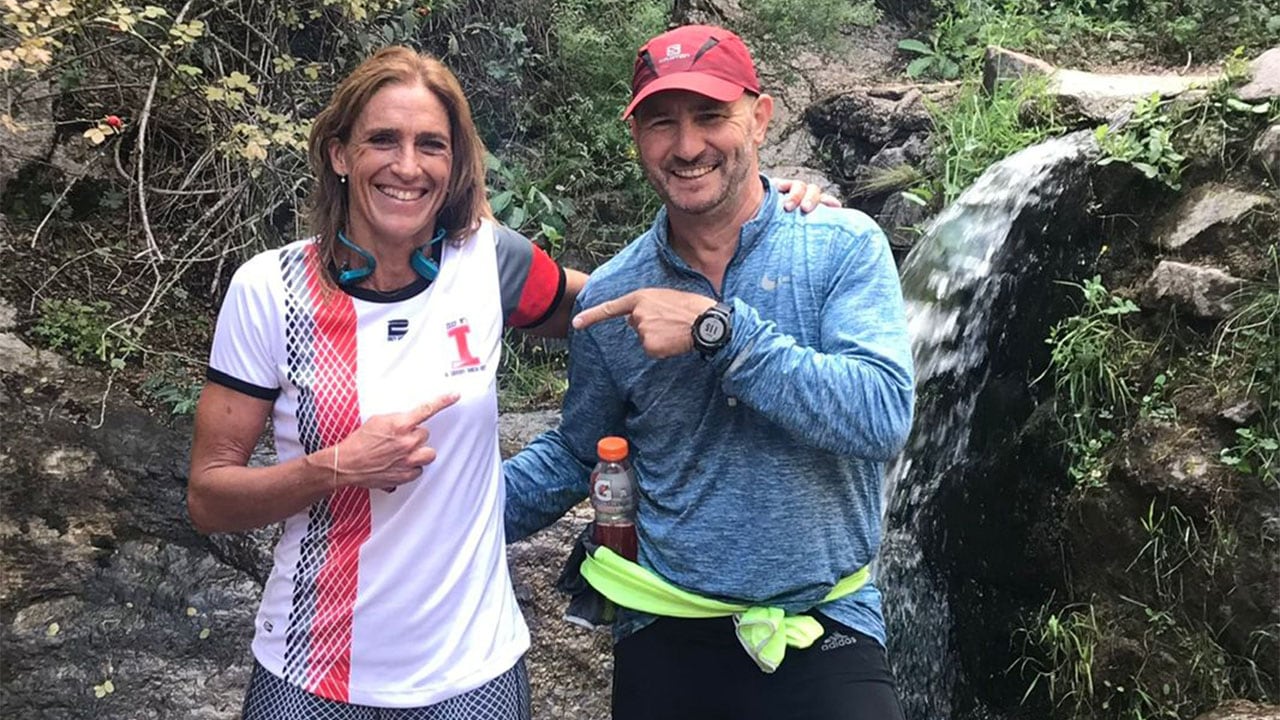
(960, 282)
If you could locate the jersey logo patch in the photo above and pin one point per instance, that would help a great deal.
(397, 329)
(465, 362)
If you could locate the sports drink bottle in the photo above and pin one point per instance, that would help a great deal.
(613, 495)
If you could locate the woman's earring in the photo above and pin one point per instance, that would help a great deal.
(342, 179)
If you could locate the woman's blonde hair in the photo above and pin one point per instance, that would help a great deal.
(465, 201)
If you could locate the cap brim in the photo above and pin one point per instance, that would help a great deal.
(696, 82)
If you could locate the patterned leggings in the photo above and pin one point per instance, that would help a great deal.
(506, 697)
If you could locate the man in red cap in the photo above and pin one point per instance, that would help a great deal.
(758, 362)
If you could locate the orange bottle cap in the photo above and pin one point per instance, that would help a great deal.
(612, 449)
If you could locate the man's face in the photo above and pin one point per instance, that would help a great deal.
(699, 153)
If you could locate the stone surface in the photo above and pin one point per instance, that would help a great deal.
(28, 134)
(870, 131)
(793, 156)
(1092, 97)
(902, 220)
(1201, 291)
(1101, 97)
(1265, 80)
(1209, 207)
(1266, 152)
(874, 116)
(1001, 64)
(1241, 414)
(1242, 710)
(8, 316)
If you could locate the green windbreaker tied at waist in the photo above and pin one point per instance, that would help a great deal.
(765, 632)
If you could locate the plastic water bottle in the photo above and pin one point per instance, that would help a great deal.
(613, 495)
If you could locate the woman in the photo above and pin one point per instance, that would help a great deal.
(389, 595)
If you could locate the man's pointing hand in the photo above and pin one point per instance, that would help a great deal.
(662, 318)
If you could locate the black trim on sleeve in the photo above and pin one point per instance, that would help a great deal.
(225, 380)
(555, 304)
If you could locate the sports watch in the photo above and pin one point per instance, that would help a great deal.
(713, 329)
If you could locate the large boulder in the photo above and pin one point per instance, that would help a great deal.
(877, 138)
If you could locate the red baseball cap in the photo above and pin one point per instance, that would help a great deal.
(703, 59)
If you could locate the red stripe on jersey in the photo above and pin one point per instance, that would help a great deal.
(338, 415)
(541, 290)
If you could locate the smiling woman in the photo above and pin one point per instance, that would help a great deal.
(363, 343)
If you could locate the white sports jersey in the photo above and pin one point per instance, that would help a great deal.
(397, 599)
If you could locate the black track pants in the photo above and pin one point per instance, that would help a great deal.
(680, 669)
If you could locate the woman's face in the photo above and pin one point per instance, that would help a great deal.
(398, 161)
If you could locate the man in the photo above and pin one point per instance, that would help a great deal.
(759, 364)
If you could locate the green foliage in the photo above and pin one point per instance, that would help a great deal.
(1058, 652)
(522, 204)
(1092, 353)
(1087, 447)
(1181, 30)
(194, 122)
(1092, 359)
(1145, 142)
(774, 28)
(979, 130)
(82, 331)
(1250, 340)
(1248, 353)
(961, 33)
(564, 146)
(1154, 654)
(1256, 452)
(1162, 137)
(932, 61)
(1082, 31)
(1217, 127)
(174, 387)
(1155, 404)
(1183, 667)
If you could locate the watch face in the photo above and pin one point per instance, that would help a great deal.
(711, 330)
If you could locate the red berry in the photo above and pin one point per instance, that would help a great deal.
(115, 122)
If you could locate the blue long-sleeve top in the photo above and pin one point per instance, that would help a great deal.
(760, 469)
